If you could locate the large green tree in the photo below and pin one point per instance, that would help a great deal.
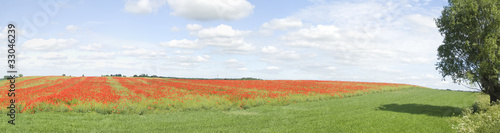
(471, 45)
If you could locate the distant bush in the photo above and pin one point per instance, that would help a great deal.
(112, 75)
(20, 75)
(246, 78)
(144, 75)
(250, 78)
(481, 118)
(64, 75)
(156, 76)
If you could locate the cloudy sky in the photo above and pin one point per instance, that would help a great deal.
(351, 40)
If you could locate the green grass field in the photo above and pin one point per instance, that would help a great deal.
(408, 110)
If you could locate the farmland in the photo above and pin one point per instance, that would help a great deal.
(121, 95)
(413, 109)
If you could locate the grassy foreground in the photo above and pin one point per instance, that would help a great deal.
(407, 110)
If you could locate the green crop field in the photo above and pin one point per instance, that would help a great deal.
(406, 110)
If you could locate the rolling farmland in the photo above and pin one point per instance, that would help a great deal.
(414, 109)
(109, 95)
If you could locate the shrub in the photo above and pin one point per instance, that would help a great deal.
(481, 117)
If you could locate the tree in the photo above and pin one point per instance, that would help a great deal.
(64, 75)
(20, 75)
(470, 52)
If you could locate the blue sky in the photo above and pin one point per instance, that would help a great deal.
(351, 40)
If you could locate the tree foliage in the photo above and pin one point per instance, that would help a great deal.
(470, 49)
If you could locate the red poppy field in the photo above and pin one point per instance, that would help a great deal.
(126, 95)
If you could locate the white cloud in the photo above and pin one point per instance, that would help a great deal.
(422, 21)
(175, 29)
(282, 24)
(231, 61)
(211, 10)
(115, 65)
(194, 27)
(275, 55)
(416, 60)
(143, 6)
(191, 59)
(184, 43)
(270, 50)
(353, 13)
(128, 47)
(91, 47)
(72, 28)
(183, 52)
(49, 44)
(235, 65)
(143, 53)
(321, 68)
(384, 69)
(242, 69)
(98, 55)
(316, 36)
(288, 55)
(430, 76)
(410, 78)
(22, 57)
(223, 37)
(136, 52)
(272, 68)
(242, 48)
(367, 32)
(220, 31)
(52, 55)
(3, 33)
(188, 64)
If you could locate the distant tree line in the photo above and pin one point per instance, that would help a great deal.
(113, 75)
(245, 78)
(145, 75)
(155, 76)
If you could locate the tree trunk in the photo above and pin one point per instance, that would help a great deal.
(491, 86)
(494, 96)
